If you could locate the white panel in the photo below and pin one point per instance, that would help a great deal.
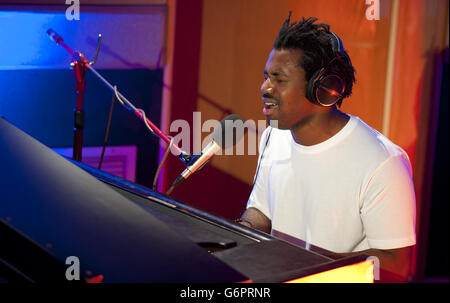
(117, 160)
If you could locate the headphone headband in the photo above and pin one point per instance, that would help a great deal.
(336, 43)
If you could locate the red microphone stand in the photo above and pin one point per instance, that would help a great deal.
(80, 65)
(78, 126)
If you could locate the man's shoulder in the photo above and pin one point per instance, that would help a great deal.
(371, 141)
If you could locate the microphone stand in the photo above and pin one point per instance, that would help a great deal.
(79, 70)
(80, 66)
(78, 126)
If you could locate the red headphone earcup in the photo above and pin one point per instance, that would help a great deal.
(329, 89)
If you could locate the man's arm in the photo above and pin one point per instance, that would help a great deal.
(254, 218)
(394, 263)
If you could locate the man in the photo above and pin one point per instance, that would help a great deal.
(325, 176)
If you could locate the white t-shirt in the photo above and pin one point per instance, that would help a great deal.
(349, 193)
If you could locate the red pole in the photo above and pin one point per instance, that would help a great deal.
(79, 72)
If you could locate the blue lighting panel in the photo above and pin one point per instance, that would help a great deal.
(132, 37)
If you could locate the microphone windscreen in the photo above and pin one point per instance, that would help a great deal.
(229, 131)
(53, 35)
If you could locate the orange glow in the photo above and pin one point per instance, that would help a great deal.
(361, 272)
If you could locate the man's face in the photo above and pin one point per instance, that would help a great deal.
(283, 89)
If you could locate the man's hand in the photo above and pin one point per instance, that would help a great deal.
(394, 263)
(254, 218)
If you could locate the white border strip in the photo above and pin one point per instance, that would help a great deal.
(390, 69)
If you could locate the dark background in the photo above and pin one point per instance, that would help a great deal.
(41, 103)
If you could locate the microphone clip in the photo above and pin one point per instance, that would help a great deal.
(190, 159)
(186, 158)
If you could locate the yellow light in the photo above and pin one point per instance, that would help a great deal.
(361, 272)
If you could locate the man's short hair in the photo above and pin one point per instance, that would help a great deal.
(314, 40)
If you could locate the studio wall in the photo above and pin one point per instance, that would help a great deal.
(394, 56)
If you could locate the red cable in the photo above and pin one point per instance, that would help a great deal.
(158, 131)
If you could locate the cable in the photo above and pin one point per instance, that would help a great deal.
(139, 112)
(107, 131)
(170, 190)
(120, 99)
(144, 118)
(155, 179)
(150, 128)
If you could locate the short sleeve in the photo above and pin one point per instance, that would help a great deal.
(388, 208)
(259, 194)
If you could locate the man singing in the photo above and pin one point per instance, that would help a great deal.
(325, 176)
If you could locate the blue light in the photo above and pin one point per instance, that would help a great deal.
(132, 37)
(25, 43)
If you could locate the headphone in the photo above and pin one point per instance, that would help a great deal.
(325, 88)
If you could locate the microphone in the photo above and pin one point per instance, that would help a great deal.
(225, 126)
(54, 36)
(59, 40)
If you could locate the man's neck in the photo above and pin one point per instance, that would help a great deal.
(319, 127)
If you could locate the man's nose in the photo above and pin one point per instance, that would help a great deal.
(266, 87)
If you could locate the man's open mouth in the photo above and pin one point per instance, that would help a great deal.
(269, 108)
(269, 105)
